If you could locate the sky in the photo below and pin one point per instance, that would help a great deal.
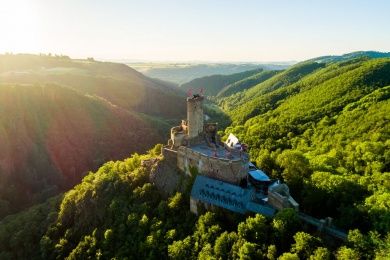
(197, 30)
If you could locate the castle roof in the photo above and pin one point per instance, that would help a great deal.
(257, 174)
(228, 196)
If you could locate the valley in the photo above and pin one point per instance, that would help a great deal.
(320, 126)
(61, 118)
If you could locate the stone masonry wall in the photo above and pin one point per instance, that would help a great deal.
(217, 168)
(195, 116)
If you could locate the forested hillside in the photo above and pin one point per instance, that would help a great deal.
(352, 55)
(60, 118)
(246, 104)
(323, 128)
(212, 85)
(326, 133)
(117, 83)
(181, 73)
(246, 83)
(117, 213)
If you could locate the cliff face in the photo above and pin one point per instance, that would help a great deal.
(167, 177)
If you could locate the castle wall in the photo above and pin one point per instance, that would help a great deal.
(278, 201)
(232, 171)
(194, 205)
(178, 139)
(169, 154)
(279, 197)
(195, 116)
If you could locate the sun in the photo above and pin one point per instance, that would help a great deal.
(19, 26)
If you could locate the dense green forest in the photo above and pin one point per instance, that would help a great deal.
(116, 213)
(212, 85)
(321, 127)
(60, 118)
(246, 83)
(324, 129)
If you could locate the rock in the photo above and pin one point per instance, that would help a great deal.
(166, 177)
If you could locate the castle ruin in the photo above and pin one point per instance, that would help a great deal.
(197, 144)
(225, 176)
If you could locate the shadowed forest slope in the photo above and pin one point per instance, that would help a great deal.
(212, 85)
(60, 118)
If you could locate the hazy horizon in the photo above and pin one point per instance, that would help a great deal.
(194, 31)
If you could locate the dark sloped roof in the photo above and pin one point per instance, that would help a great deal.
(226, 195)
(261, 209)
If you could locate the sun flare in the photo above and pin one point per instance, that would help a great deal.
(19, 26)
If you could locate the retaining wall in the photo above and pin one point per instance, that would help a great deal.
(232, 171)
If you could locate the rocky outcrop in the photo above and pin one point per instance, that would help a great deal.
(166, 176)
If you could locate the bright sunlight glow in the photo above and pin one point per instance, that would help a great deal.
(187, 30)
(19, 24)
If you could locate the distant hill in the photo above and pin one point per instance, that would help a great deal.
(181, 73)
(246, 83)
(244, 105)
(212, 85)
(118, 83)
(273, 92)
(352, 55)
(60, 118)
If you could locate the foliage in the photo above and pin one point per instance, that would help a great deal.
(20, 234)
(181, 73)
(246, 83)
(305, 244)
(215, 83)
(60, 118)
(117, 213)
(265, 96)
(117, 203)
(322, 128)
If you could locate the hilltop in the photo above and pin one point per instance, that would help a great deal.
(117, 83)
(352, 55)
(60, 118)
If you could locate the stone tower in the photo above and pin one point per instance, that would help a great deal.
(195, 115)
